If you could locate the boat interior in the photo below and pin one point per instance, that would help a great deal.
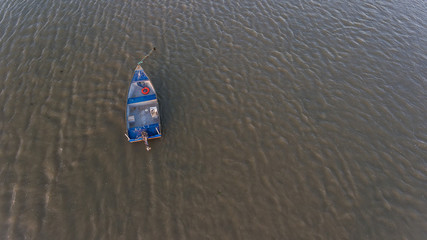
(142, 110)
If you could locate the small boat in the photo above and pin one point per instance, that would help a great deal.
(142, 109)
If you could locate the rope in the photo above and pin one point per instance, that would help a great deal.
(146, 56)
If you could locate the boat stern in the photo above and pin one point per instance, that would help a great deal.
(136, 134)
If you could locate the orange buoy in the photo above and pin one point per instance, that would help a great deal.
(145, 90)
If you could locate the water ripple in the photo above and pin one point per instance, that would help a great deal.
(281, 120)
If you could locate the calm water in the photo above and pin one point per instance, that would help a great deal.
(282, 120)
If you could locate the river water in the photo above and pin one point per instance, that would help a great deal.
(281, 120)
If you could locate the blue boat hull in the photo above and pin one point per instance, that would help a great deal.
(142, 109)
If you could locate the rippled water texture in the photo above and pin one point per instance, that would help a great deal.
(282, 120)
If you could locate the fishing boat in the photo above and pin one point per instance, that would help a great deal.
(142, 108)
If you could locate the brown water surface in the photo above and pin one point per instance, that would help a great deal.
(281, 120)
